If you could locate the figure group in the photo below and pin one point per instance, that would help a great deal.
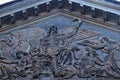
(38, 62)
(59, 57)
(94, 65)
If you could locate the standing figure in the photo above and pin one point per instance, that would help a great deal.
(53, 31)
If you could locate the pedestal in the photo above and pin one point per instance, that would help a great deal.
(12, 18)
(25, 16)
(105, 16)
(0, 23)
(48, 6)
(36, 11)
(60, 4)
(118, 20)
(70, 6)
(93, 12)
(82, 11)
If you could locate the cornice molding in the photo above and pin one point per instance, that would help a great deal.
(55, 12)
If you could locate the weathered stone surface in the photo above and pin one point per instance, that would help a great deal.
(21, 40)
(34, 54)
(81, 34)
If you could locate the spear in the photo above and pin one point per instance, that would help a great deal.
(72, 34)
(79, 22)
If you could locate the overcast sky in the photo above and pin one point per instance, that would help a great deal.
(5, 1)
(117, 0)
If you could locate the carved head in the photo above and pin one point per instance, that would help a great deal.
(53, 30)
(91, 51)
(36, 50)
(104, 39)
(19, 54)
(25, 54)
(75, 48)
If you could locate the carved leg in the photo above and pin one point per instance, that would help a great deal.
(4, 75)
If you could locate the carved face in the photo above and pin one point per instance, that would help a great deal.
(19, 54)
(53, 30)
(104, 39)
(10, 40)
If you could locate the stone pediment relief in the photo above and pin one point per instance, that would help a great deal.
(54, 53)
